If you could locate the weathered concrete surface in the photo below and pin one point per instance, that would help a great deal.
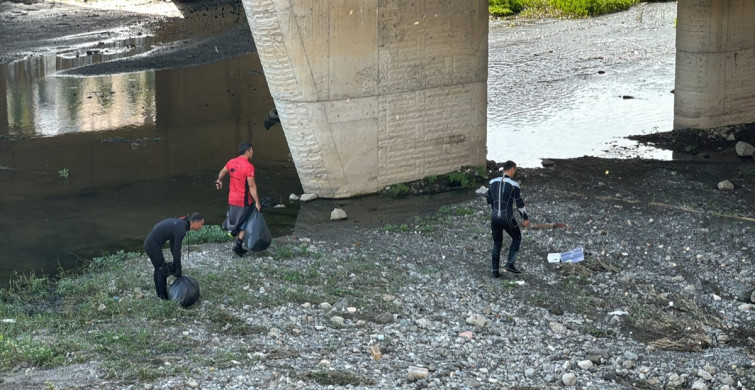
(715, 63)
(375, 92)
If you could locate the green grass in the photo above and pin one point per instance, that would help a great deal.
(557, 8)
(108, 311)
(208, 233)
(398, 190)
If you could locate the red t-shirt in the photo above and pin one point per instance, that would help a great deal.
(239, 169)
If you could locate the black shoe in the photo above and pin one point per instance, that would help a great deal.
(495, 274)
(512, 269)
(239, 250)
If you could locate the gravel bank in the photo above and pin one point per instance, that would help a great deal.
(663, 299)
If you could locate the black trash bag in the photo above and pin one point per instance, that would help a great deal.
(257, 237)
(184, 290)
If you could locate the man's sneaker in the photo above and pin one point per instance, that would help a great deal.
(512, 269)
(495, 274)
(239, 250)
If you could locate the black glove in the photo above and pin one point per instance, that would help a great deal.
(170, 268)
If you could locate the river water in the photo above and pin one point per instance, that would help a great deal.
(89, 164)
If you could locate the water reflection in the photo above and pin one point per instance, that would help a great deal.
(137, 147)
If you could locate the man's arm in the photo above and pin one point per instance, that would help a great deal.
(253, 191)
(520, 206)
(221, 175)
(179, 233)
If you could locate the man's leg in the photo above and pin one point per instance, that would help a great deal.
(497, 232)
(238, 248)
(516, 240)
(237, 217)
(158, 261)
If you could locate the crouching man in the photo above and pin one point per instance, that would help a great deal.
(171, 230)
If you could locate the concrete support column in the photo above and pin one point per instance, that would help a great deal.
(375, 92)
(715, 63)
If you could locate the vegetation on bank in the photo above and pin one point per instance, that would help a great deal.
(109, 313)
(559, 8)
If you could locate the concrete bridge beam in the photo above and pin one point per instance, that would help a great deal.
(715, 63)
(375, 92)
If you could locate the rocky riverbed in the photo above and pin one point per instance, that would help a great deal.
(663, 299)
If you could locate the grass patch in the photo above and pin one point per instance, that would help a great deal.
(398, 190)
(335, 378)
(107, 312)
(208, 233)
(557, 8)
(670, 321)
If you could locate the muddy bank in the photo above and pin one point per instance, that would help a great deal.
(185, 33)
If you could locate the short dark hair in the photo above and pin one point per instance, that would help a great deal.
(508, 165)
(243, 147)
(196, 216)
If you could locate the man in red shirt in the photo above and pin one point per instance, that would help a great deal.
(242, 190)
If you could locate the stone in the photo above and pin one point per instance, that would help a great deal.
(725, 185)
(557, 327)
(674, 380)
(569, 379)
(704, 375)
(548, 163)
(744, 149)
(293, 197)
(710, 369)
(337, 215)
(481, 191)
(585, 364)
(307, 197)
(699, 385)
(477, 320)
(337, 321)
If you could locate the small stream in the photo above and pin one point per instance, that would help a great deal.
(89, 164)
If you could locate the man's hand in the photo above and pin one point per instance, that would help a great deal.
(526, 223)
(218, 184)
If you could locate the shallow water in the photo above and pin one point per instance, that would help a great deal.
(89, 164)
(565, 89)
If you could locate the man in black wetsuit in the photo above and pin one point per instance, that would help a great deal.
(170, 230)
(501, 196)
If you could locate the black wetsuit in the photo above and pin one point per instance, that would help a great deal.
(502, 195)
(173, 230)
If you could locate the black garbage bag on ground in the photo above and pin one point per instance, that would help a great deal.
(257, 237)
(184, 290)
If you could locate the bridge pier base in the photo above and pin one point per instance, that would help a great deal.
(715, 63)
(375, 92)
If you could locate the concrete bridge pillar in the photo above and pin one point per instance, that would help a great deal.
(715, 63)
(375, 92)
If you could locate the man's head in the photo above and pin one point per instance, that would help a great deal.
(244, 148)
(196, 220)
(509, 168)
